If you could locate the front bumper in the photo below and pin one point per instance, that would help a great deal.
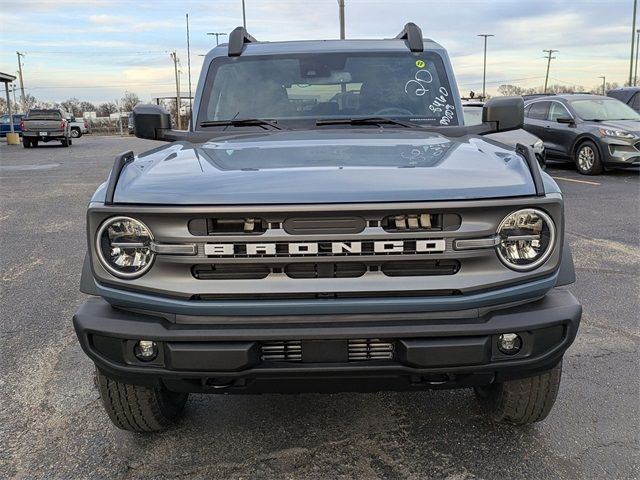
(620, 152)
(430, 350)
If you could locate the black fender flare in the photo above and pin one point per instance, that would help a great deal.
(567, 271)
(582, 138)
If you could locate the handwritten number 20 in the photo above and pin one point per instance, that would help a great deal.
(421, 78)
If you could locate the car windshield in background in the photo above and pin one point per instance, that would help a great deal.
(44, 114)
(603, 109)
(400, 85)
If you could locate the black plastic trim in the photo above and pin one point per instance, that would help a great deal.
(413, 35)
(237, 38)
(534, 167)
(118, 165)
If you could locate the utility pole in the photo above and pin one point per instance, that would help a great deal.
(217, 34)
(22, 99)
(604, 83)
(484, 70)
(244, 16)
(635, 75)
(549, 58)
(189, 70)
(633, 37)
(174, 57)
(341, 10)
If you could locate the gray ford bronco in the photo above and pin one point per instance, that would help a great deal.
(327, 223)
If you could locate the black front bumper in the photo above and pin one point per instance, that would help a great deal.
(430, 350)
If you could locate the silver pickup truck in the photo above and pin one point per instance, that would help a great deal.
(45, 125)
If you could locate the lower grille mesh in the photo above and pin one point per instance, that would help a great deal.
(283, 351)
(370, 349)
(359, 350)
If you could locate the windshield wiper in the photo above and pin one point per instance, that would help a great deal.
(244, 122)
(367, 121)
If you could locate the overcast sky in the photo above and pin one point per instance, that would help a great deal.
(96, 49)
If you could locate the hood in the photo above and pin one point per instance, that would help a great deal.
(326, 166)
(632, 126)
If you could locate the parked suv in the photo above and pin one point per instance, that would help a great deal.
(593, 131)
(628, 95)
(292, 240)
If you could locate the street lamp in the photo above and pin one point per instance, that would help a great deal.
(217, 34)
(484, 70)
(604, 82)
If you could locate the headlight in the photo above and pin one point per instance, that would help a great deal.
(609, 132)
(526, 239)
(124, 247)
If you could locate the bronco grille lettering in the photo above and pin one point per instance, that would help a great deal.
(326, 248)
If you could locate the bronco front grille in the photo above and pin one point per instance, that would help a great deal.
(282, 351)
(370, 349)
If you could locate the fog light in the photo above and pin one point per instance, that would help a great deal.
(509, 343)
(146, 350)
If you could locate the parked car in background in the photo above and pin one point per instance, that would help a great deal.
(594, 131)
(78, 127)
(5, 124)
(45, 125)
(473, 116)
(130, 124)
(628, 95)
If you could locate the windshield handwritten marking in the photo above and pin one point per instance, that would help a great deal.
(421, 81)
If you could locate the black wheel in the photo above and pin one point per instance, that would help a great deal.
(587, 158)
(139, 409)
(26, 143)
(65, 142)
(34, 143)
(522, 401)
(70, 142)
(75, 133)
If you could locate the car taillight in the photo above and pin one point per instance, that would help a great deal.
(62, 125)
(22, 125)
(86, 125)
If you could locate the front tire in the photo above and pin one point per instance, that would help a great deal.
(139, 409)
(522, 401)
(587, 158)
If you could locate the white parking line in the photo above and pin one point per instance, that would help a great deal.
(576, 181)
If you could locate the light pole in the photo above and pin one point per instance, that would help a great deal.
(549, 58)
(604, 82)
(633, 31)
(217, 34)
(484, 70)
(244, 16)
(341, 14)
(635, 75)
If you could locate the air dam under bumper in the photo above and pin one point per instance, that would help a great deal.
(443, 350)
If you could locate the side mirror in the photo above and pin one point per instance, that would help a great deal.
(506, 112)
(151, 121)
(567, 120)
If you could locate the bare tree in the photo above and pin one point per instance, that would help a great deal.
(87, 107)
(106, 109)
(128, 101)
(510, 90)
(72, 106)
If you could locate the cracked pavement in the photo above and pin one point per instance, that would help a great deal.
(52, 424)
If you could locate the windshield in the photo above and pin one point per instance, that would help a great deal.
(603, 109)
(401, 85)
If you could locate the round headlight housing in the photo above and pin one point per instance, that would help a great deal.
(124, 247)
(526, 239)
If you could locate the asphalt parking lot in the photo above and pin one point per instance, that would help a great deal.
(52, 424)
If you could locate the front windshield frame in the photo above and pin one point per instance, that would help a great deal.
(451, 105)
(620, 110)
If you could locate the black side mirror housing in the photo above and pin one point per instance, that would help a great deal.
(151, 121)
(506, 112)
(567, 120)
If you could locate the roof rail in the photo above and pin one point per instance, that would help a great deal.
(413, 35)
(237, 38)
